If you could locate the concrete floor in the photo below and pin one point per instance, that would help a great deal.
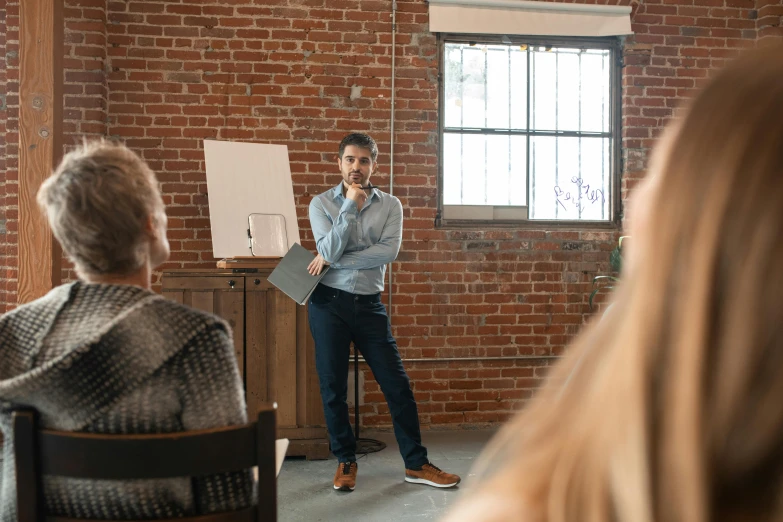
(305, 491)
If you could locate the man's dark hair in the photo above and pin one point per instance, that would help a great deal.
(363, 141)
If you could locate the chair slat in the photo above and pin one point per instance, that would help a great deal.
(267, 468)
(28, 483)
(86, 455)
(99, 456)
(244, 515)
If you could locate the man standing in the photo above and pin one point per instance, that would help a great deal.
(358, 231)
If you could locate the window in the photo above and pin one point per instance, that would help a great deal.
(528, 129)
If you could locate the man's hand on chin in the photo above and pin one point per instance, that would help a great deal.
(357, 194)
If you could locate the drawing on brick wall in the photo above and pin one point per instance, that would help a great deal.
(245, 179)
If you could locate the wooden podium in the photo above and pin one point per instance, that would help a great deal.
(272, 342)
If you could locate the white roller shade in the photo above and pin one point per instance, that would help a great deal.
(528, 18)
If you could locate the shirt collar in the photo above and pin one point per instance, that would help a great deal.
(338, 192)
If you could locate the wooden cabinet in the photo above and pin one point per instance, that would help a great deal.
(275, 351)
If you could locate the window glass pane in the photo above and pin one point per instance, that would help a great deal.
(474, 75)
(498, 87)
(498, 175)
(595, 91)
(595, 180)
(570, 178)
(568, 89)
(485, 86)
(484, 170)
(453, 85)
(543, 174)
(543, 69)
(474, 170)
(452, 169)
(517, 185)
(518, 87)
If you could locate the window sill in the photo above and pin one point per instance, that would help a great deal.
(488, 216)
(446, 224)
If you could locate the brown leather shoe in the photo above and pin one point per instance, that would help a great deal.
(432, 476)
(345, 477)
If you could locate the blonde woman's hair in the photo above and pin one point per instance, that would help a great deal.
(98, 201)
(670, 408)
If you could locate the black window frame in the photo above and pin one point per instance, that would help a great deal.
(614, 46)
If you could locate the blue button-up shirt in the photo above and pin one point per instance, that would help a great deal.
(357, 245)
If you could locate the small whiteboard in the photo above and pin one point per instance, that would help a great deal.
(243, 179)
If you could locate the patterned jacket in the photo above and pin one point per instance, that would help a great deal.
(120, 359)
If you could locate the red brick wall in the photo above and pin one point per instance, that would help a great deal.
(770, 19)
(9, 79)
(3, 118)
(84, 86)
(301, 74)
(674, 47)
(84, 113)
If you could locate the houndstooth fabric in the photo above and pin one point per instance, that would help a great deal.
(120, 359)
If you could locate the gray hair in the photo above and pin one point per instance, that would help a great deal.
(98, 201)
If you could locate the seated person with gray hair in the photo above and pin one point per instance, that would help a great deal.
(105, 354)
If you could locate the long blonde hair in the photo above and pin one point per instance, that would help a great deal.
(670, 408)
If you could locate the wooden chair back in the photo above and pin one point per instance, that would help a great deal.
(40, 452)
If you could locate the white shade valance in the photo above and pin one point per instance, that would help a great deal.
(528, 18)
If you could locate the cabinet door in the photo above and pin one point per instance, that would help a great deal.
(222, 296)
(280, 360)
(271, 349)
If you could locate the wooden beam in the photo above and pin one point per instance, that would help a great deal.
(41, 30)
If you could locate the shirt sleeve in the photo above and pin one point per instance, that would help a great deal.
(381, 253)
(213, 397)
(332, 238)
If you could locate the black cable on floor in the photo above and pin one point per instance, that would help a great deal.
(365, 446)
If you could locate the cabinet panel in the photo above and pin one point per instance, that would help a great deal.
(175, 295)
(271, 353)
(204, 300)
(230, 305)
(280, 358)
(281, 324)
(258, 391)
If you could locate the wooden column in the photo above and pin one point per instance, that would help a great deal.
(40, 139)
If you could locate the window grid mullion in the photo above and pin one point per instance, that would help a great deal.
(603, 109)
(462, 122)
(486, 97)
(531, 154)
(579, 126)
(513, 132)
(508, 173)
(557, 124)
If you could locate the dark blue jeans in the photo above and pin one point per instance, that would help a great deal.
(338, 318)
